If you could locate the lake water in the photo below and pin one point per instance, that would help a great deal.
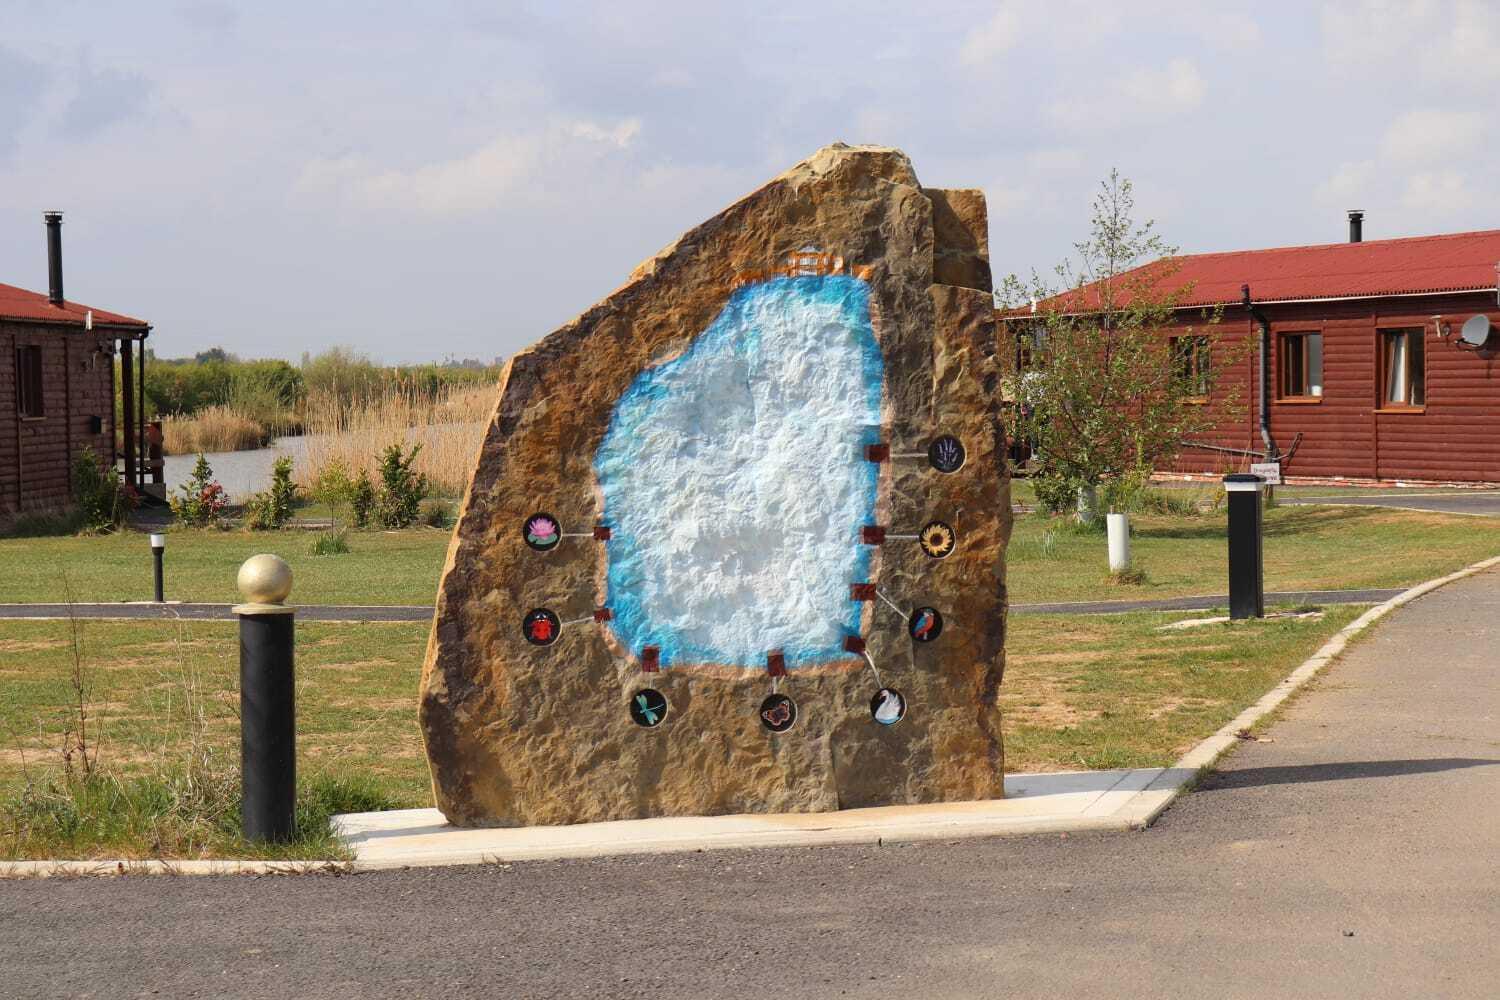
(241, 473)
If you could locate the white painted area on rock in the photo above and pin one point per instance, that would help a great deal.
(735, 480)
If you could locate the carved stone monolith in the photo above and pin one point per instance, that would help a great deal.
(735, 539)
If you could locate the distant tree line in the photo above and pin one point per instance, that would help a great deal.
(275, 392)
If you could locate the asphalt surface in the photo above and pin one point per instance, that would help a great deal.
(417, 613)
(1356, 855)
(1482, 504)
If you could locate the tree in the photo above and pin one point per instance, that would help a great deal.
(1107, 397)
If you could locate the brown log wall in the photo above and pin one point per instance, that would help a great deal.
(1455, 437)
(35, 453)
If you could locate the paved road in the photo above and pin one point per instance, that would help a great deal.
(1485, 504)
(417, 613)
(1357, 855)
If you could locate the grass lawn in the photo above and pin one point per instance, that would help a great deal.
(1306, 548)
(1105, 691)
(1097, 692)
(163, 707)
(384, 567)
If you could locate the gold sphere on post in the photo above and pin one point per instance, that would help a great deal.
(264, 579)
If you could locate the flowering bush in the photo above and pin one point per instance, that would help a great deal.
(200, 501)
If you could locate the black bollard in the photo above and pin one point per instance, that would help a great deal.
(268, 737)
(158, 548)
(1247, 592)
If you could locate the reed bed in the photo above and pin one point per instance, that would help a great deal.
(213, 428)
(449, 427)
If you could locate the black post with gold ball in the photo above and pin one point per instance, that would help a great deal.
(268, 731)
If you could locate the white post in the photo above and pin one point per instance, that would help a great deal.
(1118, 526)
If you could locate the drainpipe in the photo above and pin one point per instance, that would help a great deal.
(1273, 454)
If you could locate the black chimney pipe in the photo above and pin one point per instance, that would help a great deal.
(1356, 226)
(54, 257)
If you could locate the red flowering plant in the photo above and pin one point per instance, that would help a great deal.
(200, 501)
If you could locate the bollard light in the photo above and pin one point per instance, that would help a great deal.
(268, 731)
(158, 549)
(1247, 592)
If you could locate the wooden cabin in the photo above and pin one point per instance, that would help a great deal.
(1368, 376)
(57, 389)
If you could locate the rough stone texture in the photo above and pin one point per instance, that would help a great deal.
(523, 734)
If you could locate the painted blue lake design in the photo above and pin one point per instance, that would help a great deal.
(735, 481)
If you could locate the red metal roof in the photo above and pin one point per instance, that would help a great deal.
(1459, 262)
(18, 303)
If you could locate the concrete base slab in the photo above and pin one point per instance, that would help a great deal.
(1037, 803)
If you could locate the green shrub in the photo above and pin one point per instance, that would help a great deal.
(1056, 494)
(330, 543)
(362, 500)
(273, 509)
(436, 514)
(103, 501)
(401, 489)
(200, 501)
(333, 487)
(1178, 502)
(1126, 493)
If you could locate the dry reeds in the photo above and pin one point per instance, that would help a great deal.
(213, 428)
(449, 428)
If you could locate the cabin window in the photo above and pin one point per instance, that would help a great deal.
(1028, 346)
(1403, 369)
(1190, 365)
(1301, 365)
(29, 381)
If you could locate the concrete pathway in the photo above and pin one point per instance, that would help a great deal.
(1034, 803)
(417, 613)
(1357, 855)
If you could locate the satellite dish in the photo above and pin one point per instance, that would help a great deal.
(1476, 331)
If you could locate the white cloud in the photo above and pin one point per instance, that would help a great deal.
(1145, 93)
(1348, 186)
(1439, 192)
(620, 136)
(475, 182)
(1468, 49)
(1003, 199)
(1357, 34)
(1434, 135)
(1054, 159)
(1451, 41)
(994, 37)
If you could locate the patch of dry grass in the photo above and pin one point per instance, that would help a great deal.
(449, 428)
(213, 428)
(1107, 691)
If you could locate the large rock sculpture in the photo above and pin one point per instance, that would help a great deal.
(735, 540)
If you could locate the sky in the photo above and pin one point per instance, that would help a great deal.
(459, 179)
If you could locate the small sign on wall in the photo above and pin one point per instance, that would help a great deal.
(1269, 471)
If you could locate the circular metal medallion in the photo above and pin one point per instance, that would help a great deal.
(541, 626)
(542, 531)
(925, 624)
(648, 708)
(946, 453)
(888, 707)
(778, 713)
(937, 539)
